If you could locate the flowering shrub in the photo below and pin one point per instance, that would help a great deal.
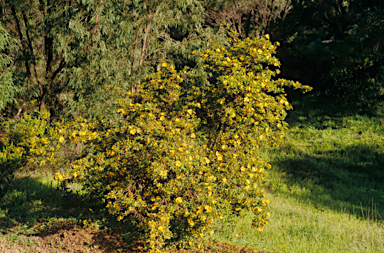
(28, 140)
(189, 148)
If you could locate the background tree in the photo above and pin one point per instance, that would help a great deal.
(335, 46)
(39, 64)
(7, 88)
(72, 52)
(247, 17)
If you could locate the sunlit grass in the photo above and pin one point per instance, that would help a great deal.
(326, 188)
(329, 167)
(297, 227)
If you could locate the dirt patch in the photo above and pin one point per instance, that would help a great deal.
(222, 248)
(79, 240)
(65, 238)
(8, 248)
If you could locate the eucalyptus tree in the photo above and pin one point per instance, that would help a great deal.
(7, 88)
(78, 56)
(39, 63)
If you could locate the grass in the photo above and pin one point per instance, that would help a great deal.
(333, 162)
(326, 188)
(298, 227)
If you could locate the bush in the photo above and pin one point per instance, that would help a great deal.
(188, 151)
(27, 140)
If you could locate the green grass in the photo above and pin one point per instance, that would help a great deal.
(35, 200)
(32, 200)
(337, 163)
(298, 227)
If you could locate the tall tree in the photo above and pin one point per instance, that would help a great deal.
(73, 52)
(7, 88)
(38, 62)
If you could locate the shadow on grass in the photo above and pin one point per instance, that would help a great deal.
(348, 178)
(29, 201)
(35, 209)
(315, 105)
(333, 170)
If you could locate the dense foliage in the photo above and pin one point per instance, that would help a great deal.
(70, 51)
(7, 88)
(336, 47)
(28, 141)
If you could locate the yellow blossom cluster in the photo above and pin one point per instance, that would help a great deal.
(28, 140)
(187, 153)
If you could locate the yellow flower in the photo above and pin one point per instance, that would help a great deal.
(164, 64)
(193, 136)
(190, 111)
(191, 222)
(163, 173)
(133, 131)
(207, 160)
(179, 200)
(178, 163)
(59, 177)
(121, 111)
(61, 139)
